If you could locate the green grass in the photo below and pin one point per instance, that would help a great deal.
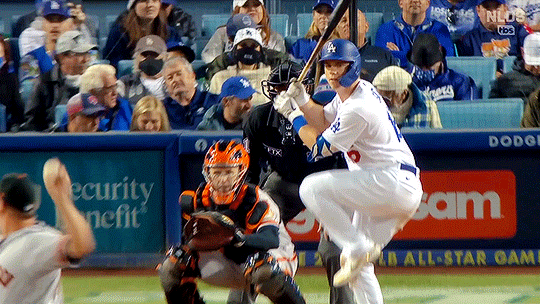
(147, 289)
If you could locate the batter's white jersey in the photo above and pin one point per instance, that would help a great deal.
(363, 128)
(30, 266)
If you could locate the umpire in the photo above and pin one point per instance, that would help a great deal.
(274, 145)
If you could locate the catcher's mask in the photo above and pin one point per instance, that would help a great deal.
(280, 78)
(224, 169)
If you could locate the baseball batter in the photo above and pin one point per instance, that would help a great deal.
(363, 207)
(32, 253)
(260, 259)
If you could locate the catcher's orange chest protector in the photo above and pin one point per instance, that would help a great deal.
(247, 211)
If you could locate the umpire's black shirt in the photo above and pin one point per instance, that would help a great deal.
(270, 138)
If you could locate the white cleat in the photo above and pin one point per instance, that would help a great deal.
(350, 267)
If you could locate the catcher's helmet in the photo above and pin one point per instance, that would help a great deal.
(225, 155)
(280, 78)
(343, 50)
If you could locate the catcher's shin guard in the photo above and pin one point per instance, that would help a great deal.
(177, 274)
(263, 271)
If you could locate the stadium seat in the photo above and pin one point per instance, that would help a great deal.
(303, 22)
(508, 63)
(198, 46)
(2, 27)
(14, 19)
(59, 113)
(109, 20)
(290, 40)
(125, 67)
(481, 114)
(211, 22)
(280, 23)
(481, 69)
(375, 20)
(3, 118)
(96, 23)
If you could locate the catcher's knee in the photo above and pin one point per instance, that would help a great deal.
(177, 274)
(263, 272)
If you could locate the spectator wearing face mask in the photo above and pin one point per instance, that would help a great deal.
(268, 56)
(432, 76)
(247, 51)
(147, 78)
(220, 42)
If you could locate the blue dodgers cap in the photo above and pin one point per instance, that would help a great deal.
(86, 104)
(238, 87)
(331, 3)
(180, 46)
(238, 22)
(323, 93)
(55, 7)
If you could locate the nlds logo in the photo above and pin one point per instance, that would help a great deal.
(507, 30)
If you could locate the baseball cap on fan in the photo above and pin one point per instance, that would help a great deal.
(531, 49)
(243, 2)
(238, 87)
(330, 3)
(151, 43)
(73, 41)
(55, 7)
(18, 191)
(248, 33)
(238, 22)
(85, 104)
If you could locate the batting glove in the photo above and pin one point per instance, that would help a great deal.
(298, 93)
(286, 106)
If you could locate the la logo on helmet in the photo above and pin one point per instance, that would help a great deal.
(331, 47)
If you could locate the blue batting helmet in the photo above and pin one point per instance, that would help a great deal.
(343, 50)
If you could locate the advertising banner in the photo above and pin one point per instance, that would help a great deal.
(120, 194)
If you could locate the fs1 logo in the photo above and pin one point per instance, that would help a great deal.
(506, 30)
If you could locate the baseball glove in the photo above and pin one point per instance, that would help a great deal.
(209, 230)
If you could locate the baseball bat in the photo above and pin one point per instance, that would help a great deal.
(335, 17)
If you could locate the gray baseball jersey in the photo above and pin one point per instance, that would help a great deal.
(30, 265)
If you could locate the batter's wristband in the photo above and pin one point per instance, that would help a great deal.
(299, 122)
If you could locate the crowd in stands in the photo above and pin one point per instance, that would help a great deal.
(56, 62)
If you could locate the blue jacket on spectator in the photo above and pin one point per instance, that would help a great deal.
(116, 119)
(117, 47)
(483, 42)
(448, 85)
(188, 117)
(420, 112)
(459, 18)
(302, 48)
(401, 34)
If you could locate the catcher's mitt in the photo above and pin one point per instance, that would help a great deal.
(209, 230)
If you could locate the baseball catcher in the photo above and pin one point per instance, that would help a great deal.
(233, 237)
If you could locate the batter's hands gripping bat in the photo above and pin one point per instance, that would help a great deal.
(338, 12)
